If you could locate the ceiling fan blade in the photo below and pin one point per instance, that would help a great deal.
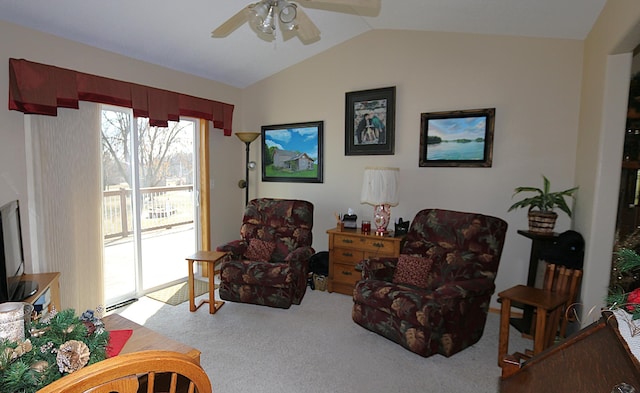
(232, 23)
(352, 3)
(307, 31)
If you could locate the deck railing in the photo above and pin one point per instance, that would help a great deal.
(162, 207)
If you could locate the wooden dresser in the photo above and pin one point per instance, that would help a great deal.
(347, 247)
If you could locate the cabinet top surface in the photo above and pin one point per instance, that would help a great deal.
(358, 233)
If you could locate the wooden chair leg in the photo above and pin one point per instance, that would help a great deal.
(503, 343)
(553, 324)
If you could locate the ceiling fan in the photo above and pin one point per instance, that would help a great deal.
(265, 15)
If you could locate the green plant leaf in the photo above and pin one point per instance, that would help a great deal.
(544, 200)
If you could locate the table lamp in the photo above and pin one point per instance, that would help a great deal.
(380, 189)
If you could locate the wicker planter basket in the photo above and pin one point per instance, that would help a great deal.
(542, 222)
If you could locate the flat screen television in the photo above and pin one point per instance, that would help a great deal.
(12, 285)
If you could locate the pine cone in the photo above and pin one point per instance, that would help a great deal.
(40, 366)
(72, 356)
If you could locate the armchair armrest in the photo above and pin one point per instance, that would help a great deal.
(237, 248)
(381, 268)
(459, 308)
(298, 259)
(465, 288)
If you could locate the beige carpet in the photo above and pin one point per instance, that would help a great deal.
(316, 347)
(179, 293)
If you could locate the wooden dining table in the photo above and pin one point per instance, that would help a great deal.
(144, 339)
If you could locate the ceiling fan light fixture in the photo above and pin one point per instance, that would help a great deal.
(260, 15)
(268, 24)
(260, 10)
(265, 17)
(287, 15)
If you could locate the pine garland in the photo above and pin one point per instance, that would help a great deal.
(627, 262)
(27, 366)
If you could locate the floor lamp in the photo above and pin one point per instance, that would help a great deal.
(247, 138)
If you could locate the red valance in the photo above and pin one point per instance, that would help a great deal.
(40, 89)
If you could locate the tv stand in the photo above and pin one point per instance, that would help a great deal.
(45, 281)
(25, 289)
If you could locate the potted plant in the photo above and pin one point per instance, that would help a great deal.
(542, 217)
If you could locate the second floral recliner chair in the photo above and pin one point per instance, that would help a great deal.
(435, 297)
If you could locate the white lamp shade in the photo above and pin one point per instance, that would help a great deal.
(380, 186)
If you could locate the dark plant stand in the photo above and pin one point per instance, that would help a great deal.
(539, 242)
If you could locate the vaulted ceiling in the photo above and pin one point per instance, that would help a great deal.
(177, 34)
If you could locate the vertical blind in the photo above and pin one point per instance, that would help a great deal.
(67, 188)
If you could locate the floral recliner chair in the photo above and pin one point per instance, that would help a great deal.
(435, 297)
(269, 265)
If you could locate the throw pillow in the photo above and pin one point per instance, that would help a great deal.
(413, 270)
(259, 250)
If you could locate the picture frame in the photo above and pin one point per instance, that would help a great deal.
(370, 122)
(462, 138)
(293, 152)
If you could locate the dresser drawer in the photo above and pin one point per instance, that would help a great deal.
(379, 247)
(347, 248)
(345, 240)
(345, 274)
(347, 256)
(371, 244)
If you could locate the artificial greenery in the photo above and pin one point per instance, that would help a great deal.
(626, 263)
(27, 366)
(630, 278)
(544, 200)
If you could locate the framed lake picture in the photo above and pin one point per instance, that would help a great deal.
(292, 152)
(457, 138)
(370, 122)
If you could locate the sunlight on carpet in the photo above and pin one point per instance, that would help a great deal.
(179, 293)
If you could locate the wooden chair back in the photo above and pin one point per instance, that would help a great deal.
(564, 281)
(127, 373)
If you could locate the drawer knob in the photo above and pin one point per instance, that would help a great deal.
(347, 254)
(377, 244)
(346, 273)
(348, 241)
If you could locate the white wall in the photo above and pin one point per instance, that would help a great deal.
(534, 84)
(605, 87)
(227, 152)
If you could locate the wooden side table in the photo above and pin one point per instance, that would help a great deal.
(347, 247)
(210, 258)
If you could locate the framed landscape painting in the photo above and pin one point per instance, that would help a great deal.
(458, 138)
(370, 122)
(292, 152)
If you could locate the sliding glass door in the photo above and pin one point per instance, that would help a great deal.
(150, 203)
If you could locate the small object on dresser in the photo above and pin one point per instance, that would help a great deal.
(401, 227)
(339, 223)
(350, 221)
(366, 227)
